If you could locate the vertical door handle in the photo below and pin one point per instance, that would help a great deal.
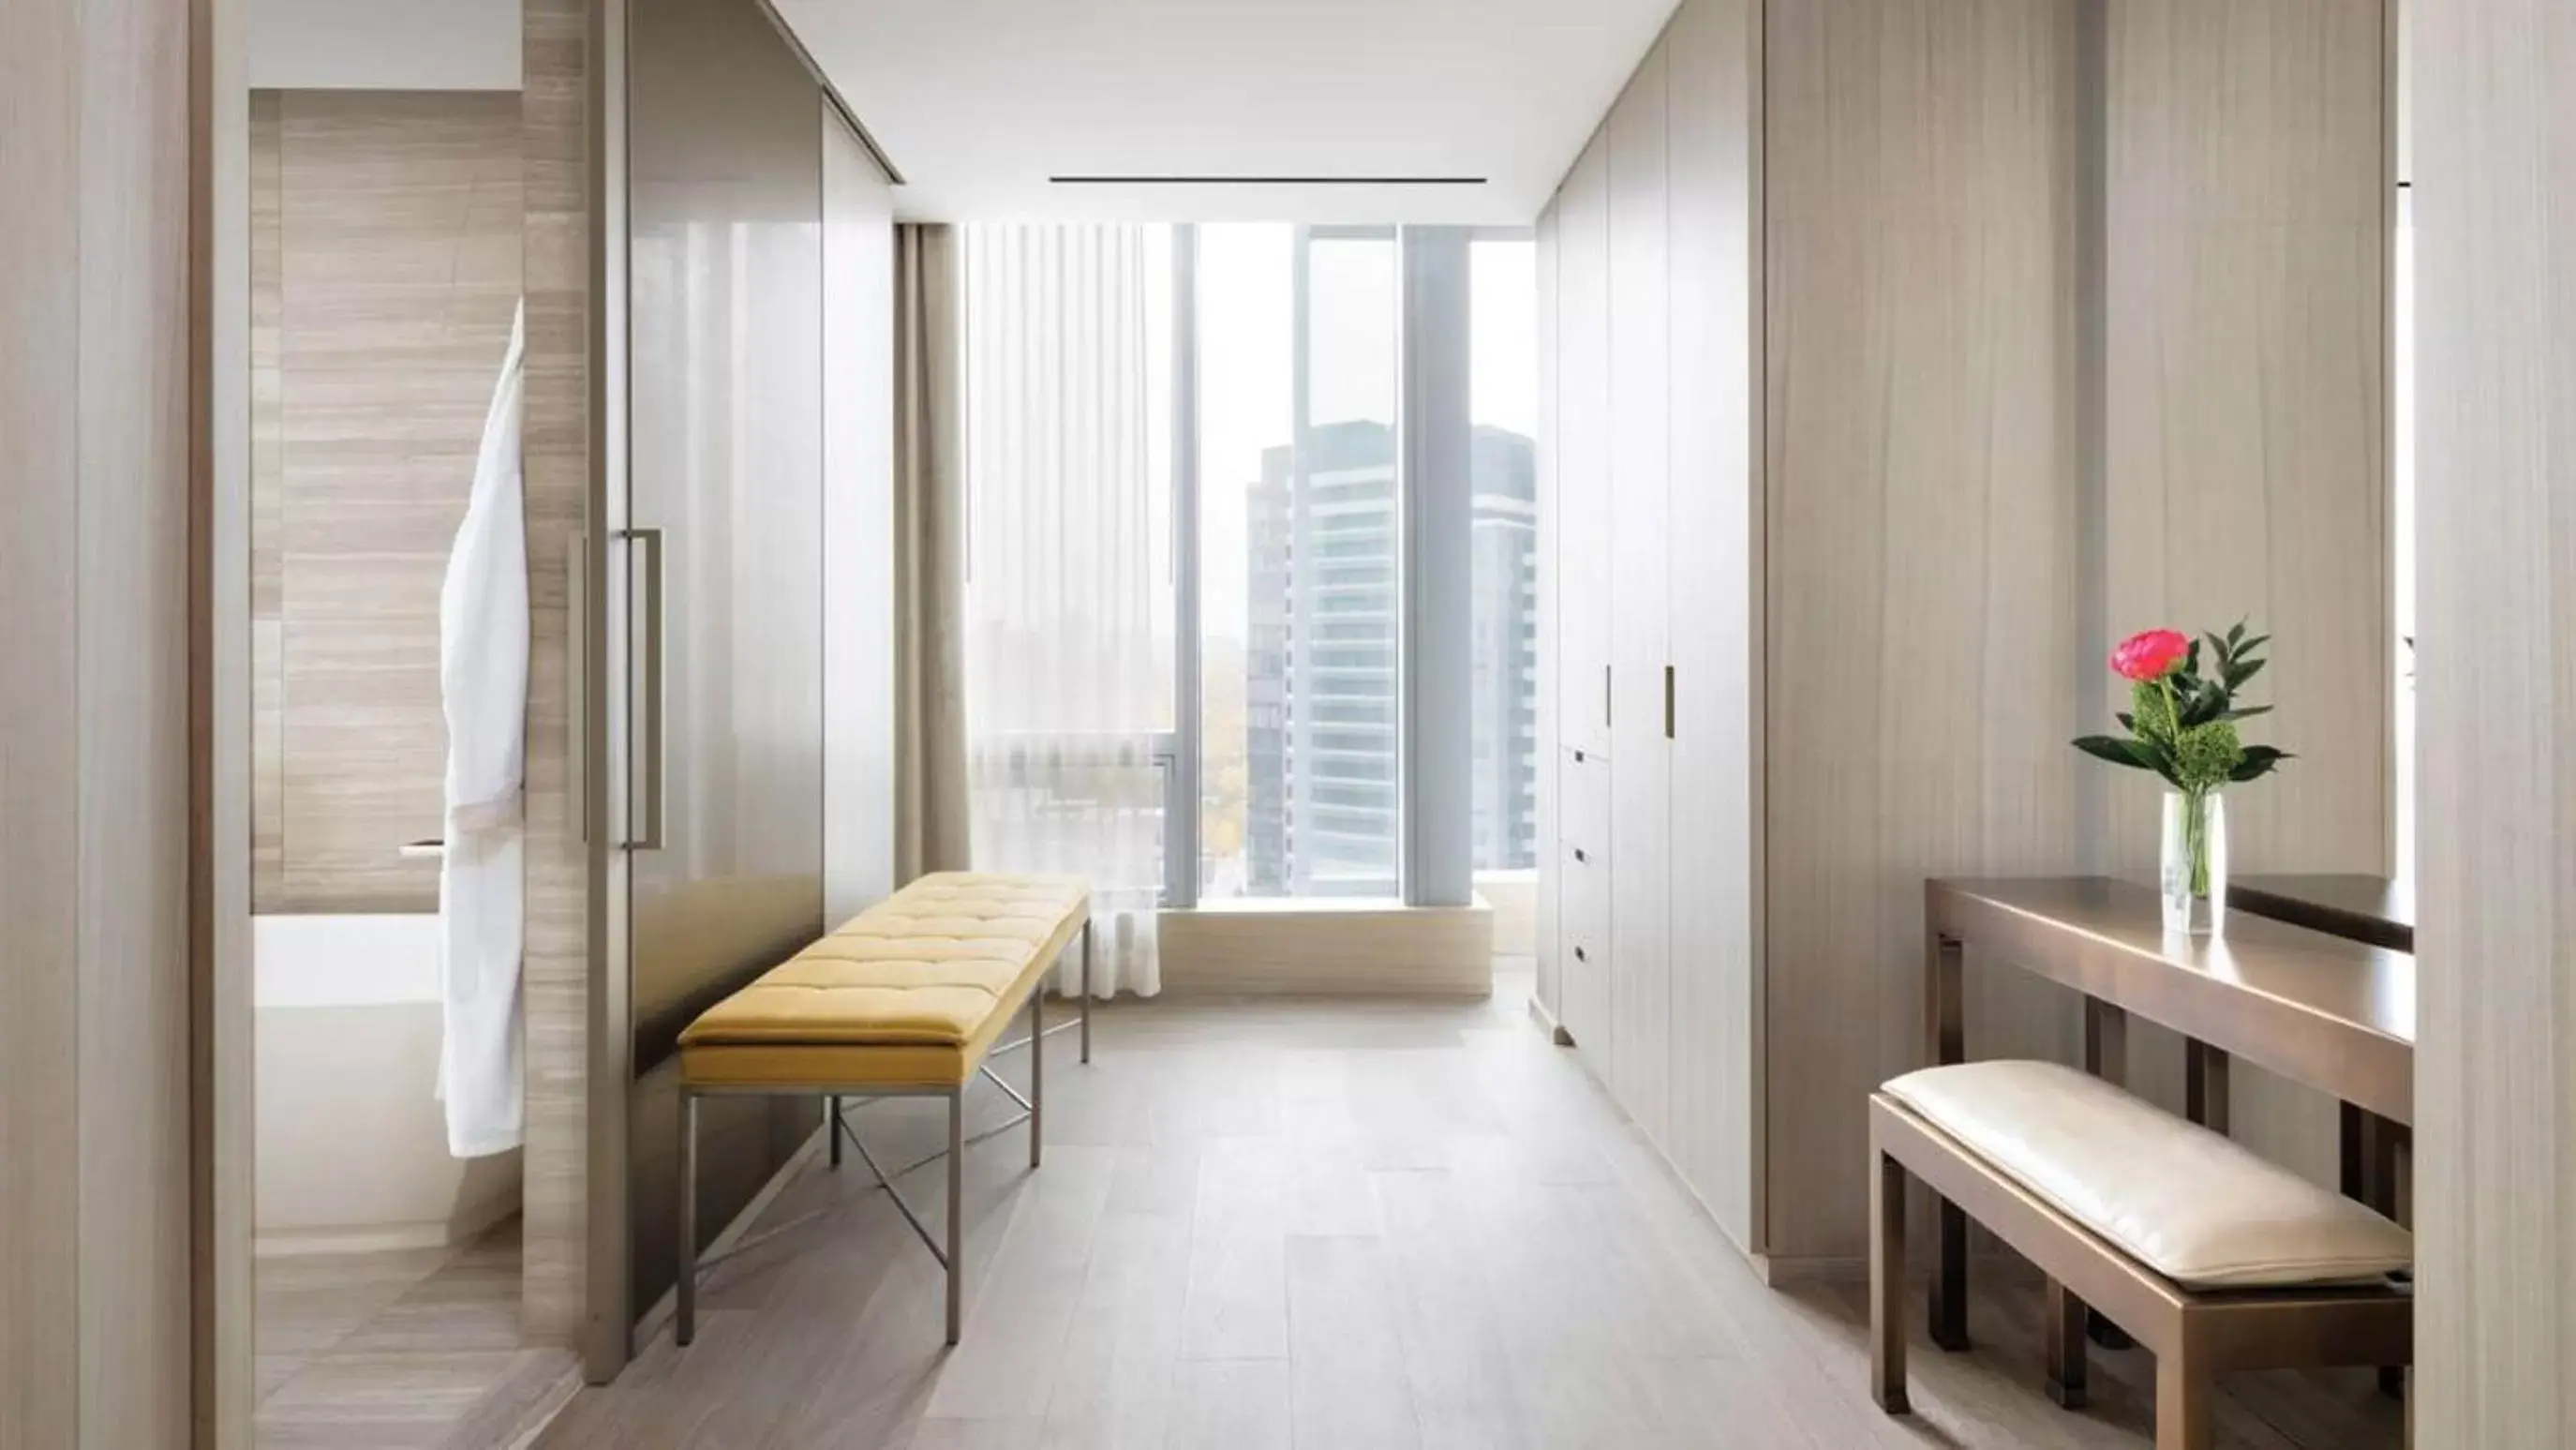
(1668, 702)
(577, 681)
(1605, 697)
(650, 738)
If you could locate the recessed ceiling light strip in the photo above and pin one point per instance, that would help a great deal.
(1266, 180)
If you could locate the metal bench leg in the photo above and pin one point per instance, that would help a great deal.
(685, 1322)
(832, 1125)
(956, 1213)
(1086, 989)
(1887, 1286)
(1037, 1074)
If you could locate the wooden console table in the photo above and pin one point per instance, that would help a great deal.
(2371, 909)
(2328, 1011)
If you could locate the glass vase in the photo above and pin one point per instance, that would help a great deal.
(2195, 862)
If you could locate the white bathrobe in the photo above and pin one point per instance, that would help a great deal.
(483, 683)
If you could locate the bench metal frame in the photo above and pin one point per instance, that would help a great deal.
(2195, 1336)
(951, 1252)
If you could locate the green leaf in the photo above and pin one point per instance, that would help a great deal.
(2236, 631)
(2246, 712)
(2243, 671)
(2202, 704)
(2132, 753)
(2258, 762)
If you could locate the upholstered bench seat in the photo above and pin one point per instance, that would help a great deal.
(912, 992)
(2214, 1259)
(908, 998)
(2191, 1204)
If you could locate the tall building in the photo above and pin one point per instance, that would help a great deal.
(1503, 636)
(1320, 665)
(1320, 692)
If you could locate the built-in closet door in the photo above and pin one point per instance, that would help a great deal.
(1640, 701)
(1711, 1031)
(723, 556)
(1583, 515)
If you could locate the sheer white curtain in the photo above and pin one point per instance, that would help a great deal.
(1068, 627)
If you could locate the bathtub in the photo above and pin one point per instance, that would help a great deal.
(351, 1147)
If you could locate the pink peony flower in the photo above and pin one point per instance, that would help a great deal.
(2150, 655)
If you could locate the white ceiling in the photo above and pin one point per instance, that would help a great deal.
(978, 102)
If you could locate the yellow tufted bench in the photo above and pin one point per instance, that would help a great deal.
(908, 998)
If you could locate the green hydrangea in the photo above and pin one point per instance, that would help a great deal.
(2205, 756)
(2151, 706)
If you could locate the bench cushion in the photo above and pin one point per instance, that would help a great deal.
(2188, 1203)
(911, 992)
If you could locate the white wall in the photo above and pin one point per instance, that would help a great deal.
(417, 45)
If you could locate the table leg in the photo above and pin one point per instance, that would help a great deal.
(2369, 1175)
(1944, 1000)
(1945, 1041)
(2106, 1056)
(2106, 1041)
(2205, 1085)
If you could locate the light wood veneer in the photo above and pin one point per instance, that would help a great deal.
(2495, 158)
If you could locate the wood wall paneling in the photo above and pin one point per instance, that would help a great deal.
(385, 269)
(559, 214)
(1919, 448)
(2246, 432)
(40, 799)
(2495, 1158)
(1640, 443)
(95, 575)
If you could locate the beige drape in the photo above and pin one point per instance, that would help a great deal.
(931, 817)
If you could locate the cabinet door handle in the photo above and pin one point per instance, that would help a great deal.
(1605, 697)
(1579, 956)
(1579, 856)
(1668, 702)
(1578, 757)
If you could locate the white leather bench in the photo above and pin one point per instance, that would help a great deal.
(2217, 1260)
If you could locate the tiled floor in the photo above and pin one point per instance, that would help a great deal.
(1334, 1226)
(404, 1350)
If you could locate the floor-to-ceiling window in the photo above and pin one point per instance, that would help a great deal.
(1502, 358)
(1300, 527)
(1228, 402)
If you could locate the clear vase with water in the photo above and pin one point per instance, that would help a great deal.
(2195, 862)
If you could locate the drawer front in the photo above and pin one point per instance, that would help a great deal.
(1583, 947)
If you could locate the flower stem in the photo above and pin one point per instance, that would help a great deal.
(2195, 835)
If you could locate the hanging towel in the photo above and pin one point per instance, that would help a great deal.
(483, 684)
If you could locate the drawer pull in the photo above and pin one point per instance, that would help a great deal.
(1579, 956)
(1578, 757)
(1579, 856)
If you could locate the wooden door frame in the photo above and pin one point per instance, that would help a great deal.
(223, 1387)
